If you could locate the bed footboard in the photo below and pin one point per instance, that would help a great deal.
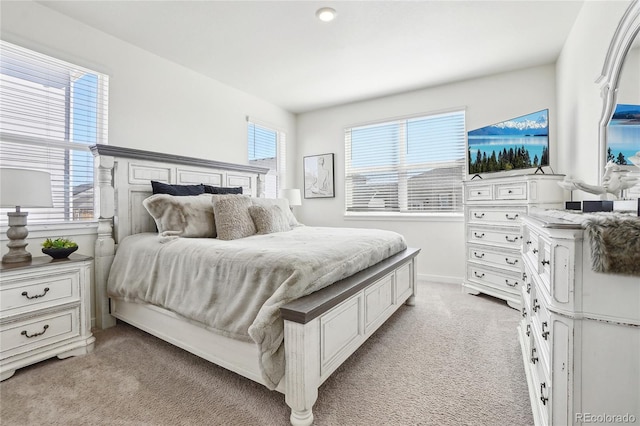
(323, 329)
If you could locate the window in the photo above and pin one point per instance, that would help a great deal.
(411, 165)
(50, 113)
(267, 149)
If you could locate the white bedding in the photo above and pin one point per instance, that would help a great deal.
(237, 287)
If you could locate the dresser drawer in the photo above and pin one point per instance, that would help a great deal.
(542, 390)
(495, 215)
(39, 292)
(479, 193)
(541, 324)
(530, 248)
(35, 332)
(511, 191)
(503, 280)
(501, 237)
(505, 259)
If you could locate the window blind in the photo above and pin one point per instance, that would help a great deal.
(267, 149)
(409, 165)
(51, 111)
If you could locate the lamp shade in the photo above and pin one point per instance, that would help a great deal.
(293, 195)
(25, 188)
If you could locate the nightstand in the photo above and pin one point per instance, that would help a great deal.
(45, 311)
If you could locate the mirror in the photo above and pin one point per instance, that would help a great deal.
(620, 86)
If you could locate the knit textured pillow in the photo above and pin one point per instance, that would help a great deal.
(269, 219)
(232, 218)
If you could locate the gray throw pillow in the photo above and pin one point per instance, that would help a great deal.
(188, 216)
(269, 219)
(232, 218)
(283, 203)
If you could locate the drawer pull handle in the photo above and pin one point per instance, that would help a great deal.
(524, 312)
(535, 251)
(536, 305)
(476, 255)
(511, 240)
(475, 234)
(479, 193)
(25, 294)
(528, 333)
(478, 216)
(514, 262)
(544, 262)
(545, 333)
(524, 276)
(26, 334)
(478, 275)
(534, 358)
(510, 217)
(528, 288)
(528, 242)
(515, 283)
(509, 191)
(544, 400)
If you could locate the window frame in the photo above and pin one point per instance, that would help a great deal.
(403, 168)
(86, 103)
(280, 141)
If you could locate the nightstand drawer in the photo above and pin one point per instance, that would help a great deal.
(26, 335)
(39, 292)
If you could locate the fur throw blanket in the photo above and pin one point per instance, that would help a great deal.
(615, 244)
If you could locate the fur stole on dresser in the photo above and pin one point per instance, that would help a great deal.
(615, 244)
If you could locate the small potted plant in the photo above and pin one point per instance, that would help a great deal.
(59, 248)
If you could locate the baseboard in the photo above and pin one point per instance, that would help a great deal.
(440, 279)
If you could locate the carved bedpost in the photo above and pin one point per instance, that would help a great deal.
(302, 369)
(105, 244)
(260, 185)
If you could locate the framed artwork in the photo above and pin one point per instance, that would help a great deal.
(318, 176)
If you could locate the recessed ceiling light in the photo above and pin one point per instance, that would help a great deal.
(326, 14)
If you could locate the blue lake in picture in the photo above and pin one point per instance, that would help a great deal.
(489, 144)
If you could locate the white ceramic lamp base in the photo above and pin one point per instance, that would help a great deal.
(17, 234)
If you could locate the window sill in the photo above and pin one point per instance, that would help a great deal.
(60, 229)
(406, 217)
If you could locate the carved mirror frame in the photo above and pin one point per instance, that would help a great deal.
(625, 34)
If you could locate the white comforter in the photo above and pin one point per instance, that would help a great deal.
(237, 287)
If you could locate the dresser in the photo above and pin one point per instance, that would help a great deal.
(493, 211)
(580, 330)
(44, 311)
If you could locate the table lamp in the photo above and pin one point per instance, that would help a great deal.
(293, 195)
(22, 188)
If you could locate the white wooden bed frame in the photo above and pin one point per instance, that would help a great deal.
(321, 330)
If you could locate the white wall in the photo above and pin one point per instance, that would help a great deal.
(487, 100)
(579, 102)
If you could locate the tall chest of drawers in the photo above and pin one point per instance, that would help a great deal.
(493, 211)
(580, 330)
(44, 311)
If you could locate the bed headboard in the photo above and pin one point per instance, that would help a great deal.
(122, 180)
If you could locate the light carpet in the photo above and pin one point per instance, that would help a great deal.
(452, 359)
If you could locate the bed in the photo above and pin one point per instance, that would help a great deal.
(320, 326)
